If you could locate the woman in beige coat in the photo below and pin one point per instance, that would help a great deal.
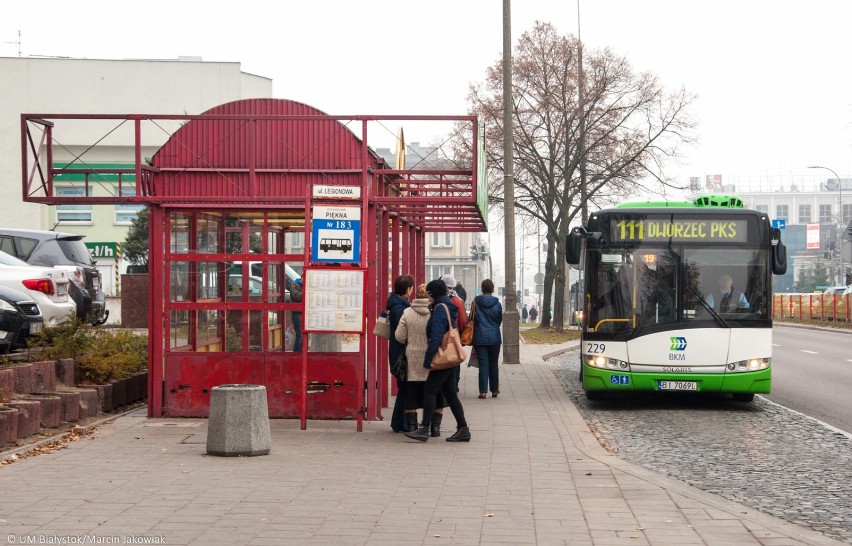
(411, 332)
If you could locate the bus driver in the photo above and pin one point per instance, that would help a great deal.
(726, 295)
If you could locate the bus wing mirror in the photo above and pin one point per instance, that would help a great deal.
(574, 245)
(779, 253)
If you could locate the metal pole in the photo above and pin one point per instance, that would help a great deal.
(838, 244)
(511, 333)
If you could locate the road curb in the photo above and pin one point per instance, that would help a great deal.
(82, 430)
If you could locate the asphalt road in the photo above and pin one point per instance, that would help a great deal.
(812, 373)
(759, 454)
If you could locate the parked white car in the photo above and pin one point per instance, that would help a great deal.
(48, 286)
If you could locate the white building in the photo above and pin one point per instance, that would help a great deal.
(800, 202)
(95, 86)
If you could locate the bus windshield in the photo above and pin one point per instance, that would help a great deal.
(649, 286)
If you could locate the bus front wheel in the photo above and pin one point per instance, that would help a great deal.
(743, 396)
(595, 396)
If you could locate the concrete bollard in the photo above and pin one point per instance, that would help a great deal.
(239, 421)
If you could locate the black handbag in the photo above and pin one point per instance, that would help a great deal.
(399, 369)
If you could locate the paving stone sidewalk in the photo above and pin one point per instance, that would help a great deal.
(533, 474)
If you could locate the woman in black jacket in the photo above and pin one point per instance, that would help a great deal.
(488, 316)
(397, 304)
(439, 380)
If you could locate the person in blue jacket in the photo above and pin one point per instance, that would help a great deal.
(398, 302)
(487, 317)
(439, 380)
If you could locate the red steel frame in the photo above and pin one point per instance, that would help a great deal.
(264, 155)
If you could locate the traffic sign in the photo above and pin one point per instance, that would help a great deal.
(780, 223)
(539, 278)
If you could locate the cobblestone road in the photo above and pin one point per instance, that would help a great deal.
(760, 454)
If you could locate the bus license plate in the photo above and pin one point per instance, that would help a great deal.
(678, 385)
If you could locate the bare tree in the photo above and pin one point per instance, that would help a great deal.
(632, 126)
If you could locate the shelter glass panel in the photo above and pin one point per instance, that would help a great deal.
(234, 331)
(208, 235)
(179, 281)
(276, 331)
(179, 234)
(209, 330)
(275, 282)
(208, 280)
(179, 328)
(255, 330)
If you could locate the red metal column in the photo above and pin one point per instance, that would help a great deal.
(156, 356)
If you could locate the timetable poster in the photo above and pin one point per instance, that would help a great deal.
(334, 300)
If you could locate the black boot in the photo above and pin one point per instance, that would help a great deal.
(461, 435)
(421, 434)
(436, 425)
(411, 417)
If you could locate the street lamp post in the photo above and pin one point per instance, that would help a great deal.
(841, 274)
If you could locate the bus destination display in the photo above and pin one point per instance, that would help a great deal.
(721, 230)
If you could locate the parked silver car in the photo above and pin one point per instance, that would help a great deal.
(46, 285)
(65, 251)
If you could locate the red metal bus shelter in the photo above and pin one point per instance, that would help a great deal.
(232, 195)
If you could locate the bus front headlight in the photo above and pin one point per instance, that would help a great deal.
(750, 365)
(603, 362)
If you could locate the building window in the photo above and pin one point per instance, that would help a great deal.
(847, 214)
(441, 239)
(804, 214)
(825, 214)
(782, 212)
(762, 208)
(438, 271)
(73, 214)
(125, 212)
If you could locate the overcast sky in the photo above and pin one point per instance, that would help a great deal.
(772, 80)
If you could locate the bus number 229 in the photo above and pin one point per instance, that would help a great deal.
(595, 347)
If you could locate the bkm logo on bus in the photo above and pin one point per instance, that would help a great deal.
(678, 344)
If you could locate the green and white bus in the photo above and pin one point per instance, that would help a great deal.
(677, 297)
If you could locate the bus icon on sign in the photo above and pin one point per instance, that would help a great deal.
(342, 245)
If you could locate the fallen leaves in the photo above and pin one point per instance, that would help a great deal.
(75, 434)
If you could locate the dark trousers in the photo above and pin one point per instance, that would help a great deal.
(398, 421)
(489, 373)
(297, 329)
(443, 381)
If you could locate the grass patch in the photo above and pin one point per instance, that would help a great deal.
(549, 336)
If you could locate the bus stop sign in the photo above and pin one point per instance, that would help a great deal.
(336, 234)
